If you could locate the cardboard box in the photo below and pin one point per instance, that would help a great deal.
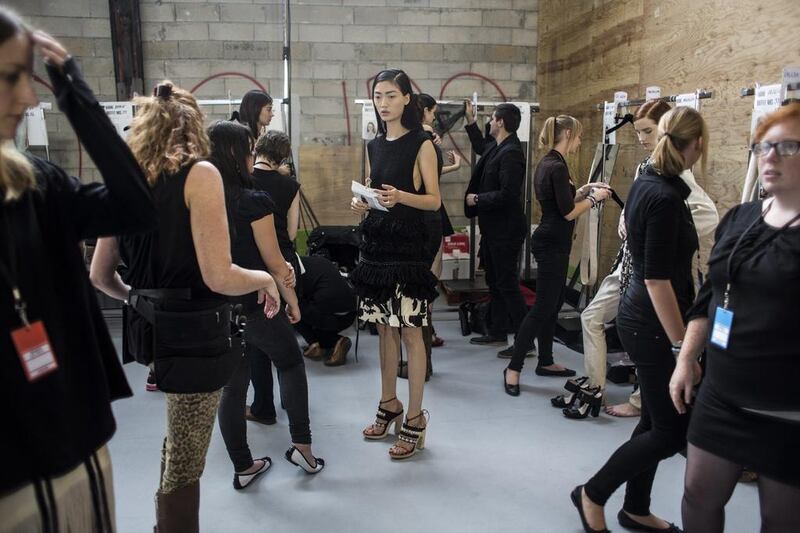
(455, 268)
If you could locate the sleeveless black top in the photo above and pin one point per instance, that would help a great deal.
(393, 247)
(166, 258)
(282, 189)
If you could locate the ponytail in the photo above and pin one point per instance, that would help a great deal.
(554, 128)
(235, 117)
(677, 129)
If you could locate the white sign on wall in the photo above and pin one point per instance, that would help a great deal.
(36, 127)
(121, 115)
(369, 124)
(620, 97)
(688, 100)
(609, 113)
(653, 93)
(524, 130)
(768, 98)
(791, 83)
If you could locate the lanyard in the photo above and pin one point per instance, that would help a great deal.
(9, 273)
(731, 272)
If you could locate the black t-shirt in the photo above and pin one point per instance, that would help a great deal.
(556, 195)
(249, 206)
(662, 241)
(282, 189)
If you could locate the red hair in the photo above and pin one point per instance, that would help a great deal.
(782, 114)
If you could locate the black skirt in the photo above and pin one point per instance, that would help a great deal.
(762, 443)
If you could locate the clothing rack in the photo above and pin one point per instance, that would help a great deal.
(701, 95)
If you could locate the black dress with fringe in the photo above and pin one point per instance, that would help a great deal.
(393, 277)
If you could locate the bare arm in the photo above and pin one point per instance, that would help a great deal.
(454, 160)
(206, 202)
(666, 305)
(103, 271)
(293, 217)
(582, 202)
(267, 243)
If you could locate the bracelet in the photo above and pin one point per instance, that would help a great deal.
(591, 199)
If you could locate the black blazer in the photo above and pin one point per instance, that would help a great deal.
(497, 180)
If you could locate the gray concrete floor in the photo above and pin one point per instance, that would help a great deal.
(492, 463)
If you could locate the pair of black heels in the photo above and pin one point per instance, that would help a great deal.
(583, 400)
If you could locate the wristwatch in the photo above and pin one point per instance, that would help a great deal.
(676, 347)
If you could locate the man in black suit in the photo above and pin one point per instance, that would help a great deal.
(494, 195)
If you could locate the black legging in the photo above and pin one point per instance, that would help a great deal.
(232, 424)
(540, 322)
(661, 432)
(709, 484)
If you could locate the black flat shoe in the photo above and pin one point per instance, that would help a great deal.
(566, 373)
(629, 523)
(487, 340)
(577, 500)
(511, 390)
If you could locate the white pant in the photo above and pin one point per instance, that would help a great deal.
(602, 309)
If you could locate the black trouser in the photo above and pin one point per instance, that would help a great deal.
(274, 340)
(501, 263)
(325, 332)
(661, 432)
(232, 423)
(540, 322)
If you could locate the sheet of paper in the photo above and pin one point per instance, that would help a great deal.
(688, 100)
(768, 99)
(609, 112)
(653, 93)
(368, 195)
(121, 115)
(524, 130)
(36, 127)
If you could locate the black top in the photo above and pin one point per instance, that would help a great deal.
(325, 291)
(54, 424)
(662, 241)
(393, 248)
(761, 366)
(497, 180)
(282, 189)
(556, 195)
(250, 205)
(166, 258)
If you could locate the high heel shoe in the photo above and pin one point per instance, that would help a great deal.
(240, 481)
(384, 419)
(511, 390)
(411, 435)
(572, 386)
(577, 500)
(296, 457)
(589, 404)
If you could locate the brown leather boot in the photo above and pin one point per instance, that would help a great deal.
(178, 511)
(315, 352)
(339, 354)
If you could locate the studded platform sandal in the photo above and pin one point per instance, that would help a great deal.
(411, 435)
(384, 419)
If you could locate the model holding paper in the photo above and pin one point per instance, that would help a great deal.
(393, 278)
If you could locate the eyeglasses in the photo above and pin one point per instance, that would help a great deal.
(784, 148)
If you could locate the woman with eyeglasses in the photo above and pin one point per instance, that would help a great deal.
(746, 315)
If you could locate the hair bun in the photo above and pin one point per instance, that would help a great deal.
(162, 91)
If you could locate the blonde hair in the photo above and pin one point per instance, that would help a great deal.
(168, 131)
(16, 172)
(554, 128)
(677, 129)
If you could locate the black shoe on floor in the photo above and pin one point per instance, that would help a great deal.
(629, 523)
(566, 373)
(488, 340)
(577, 500)
(511, 390)
(509, 352)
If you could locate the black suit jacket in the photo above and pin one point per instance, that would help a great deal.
(497, 180)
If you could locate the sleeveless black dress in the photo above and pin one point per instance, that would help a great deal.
(393, 277)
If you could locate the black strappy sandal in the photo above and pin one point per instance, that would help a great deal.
(412, 435)
(573, 386)
(384, 419)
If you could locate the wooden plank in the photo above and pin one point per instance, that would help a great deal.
(325, 176)
(126, 44)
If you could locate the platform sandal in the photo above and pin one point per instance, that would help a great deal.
(384, 419)
(411, 435)
(573, 386)
(589, 401)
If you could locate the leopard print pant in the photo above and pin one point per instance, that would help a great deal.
(190, 421)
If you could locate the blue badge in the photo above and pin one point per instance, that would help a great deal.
(721, 332)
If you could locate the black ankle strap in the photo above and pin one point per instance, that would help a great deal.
(387, 401)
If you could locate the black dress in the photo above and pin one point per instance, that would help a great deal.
(55, 423)
(760, 368)
(393, 277)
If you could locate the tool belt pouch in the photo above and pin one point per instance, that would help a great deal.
(193, 346)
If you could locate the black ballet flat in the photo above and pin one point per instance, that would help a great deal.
(629, 523)
(566, 373)
(511, 390)
(577, 501)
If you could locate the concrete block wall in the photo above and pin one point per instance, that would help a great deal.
(333, 41)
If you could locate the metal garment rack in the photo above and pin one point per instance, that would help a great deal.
(483, 106)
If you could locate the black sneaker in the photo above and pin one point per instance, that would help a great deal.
(488, 340)
(509, 352)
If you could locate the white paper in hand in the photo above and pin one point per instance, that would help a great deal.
(368, 195)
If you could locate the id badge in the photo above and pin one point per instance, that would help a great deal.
(721, 332)
(35, 353)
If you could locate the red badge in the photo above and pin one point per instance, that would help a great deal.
(35, 353)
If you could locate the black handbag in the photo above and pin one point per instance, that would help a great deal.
(195, 345)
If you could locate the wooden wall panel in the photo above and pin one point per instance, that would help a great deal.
(325, 174)
(589, 49)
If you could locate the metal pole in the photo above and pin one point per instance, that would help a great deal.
(287, 65)
(701, 95)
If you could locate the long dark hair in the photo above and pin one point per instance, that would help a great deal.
(410, 118)
(231, 144)
(250, 109)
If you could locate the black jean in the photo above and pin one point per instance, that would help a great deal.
(232, 423)
(660, 434)
(501, 263)
(540, 322)
(273, 340)
(326, 332)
